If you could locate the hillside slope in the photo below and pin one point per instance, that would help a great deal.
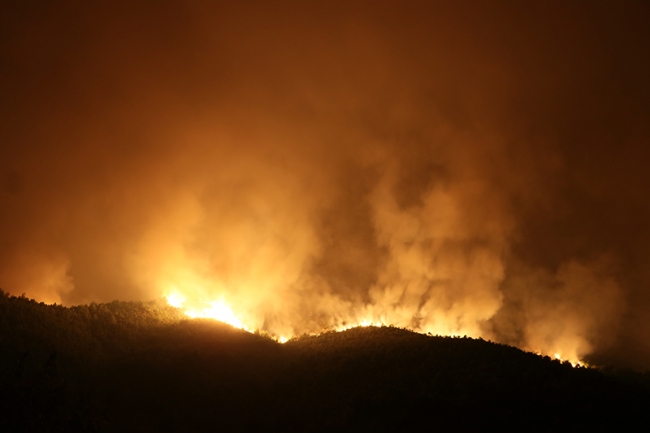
(144, 367)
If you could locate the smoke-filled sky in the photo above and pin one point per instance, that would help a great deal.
(474, 167)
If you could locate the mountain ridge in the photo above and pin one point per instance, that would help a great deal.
(143, 366)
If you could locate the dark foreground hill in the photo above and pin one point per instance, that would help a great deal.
(144, 367)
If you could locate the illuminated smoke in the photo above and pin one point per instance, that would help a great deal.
(448, 169)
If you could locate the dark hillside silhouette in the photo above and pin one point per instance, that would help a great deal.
(142, 366)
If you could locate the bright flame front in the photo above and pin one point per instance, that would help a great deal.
(217, 310)
(221, 311)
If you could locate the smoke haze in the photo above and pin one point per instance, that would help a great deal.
(472, 168)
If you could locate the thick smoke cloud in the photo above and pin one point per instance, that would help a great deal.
(458, 168)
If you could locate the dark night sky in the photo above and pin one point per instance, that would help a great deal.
(468, 167)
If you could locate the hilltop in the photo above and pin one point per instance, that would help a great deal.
(143, 366)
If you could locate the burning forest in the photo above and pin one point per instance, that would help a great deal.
(145, 366)
(291, 168)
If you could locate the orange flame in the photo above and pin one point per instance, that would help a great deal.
(217, 310)
(221, 311)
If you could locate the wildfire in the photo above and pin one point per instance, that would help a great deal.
(176, 300)
(221, 311)
(217, 310)
(573, 361)
(362, 323)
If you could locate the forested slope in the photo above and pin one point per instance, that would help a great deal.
(131, 366)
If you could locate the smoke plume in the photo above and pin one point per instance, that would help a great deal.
(461, 169)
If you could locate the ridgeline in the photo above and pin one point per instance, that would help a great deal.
(145, 367)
